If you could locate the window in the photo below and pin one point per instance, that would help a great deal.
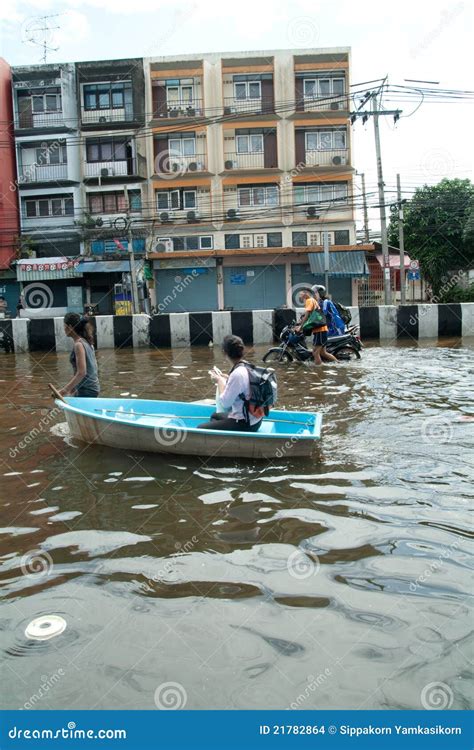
(323, 193)
(51, 152)
(180, 200)
(248, 90)
(114, 203)
(182, 146)
(192, 242)
(179, 93)
(299, 239)
(314, 88)
(107, 95)
(246, 240)
(260, 240)
(59, 205)
(313, 238)
(321, 140)
(114, 149)
(206, 242)
(231, 241)
(258, 196)
(46, 103)
(250, 144)
(341, 237)
(274, 239)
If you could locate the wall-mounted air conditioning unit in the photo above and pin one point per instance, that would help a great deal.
(232, 214)
(312, 212)
(165, 217)
(335, 105)
(195, 166)
(230, 164)
(339, 160)
(192, 216)
(102, 119)
(164, 245)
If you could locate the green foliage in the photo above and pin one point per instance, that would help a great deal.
(458, 294)
(439, 229)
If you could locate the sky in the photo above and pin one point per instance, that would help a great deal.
(404, 40)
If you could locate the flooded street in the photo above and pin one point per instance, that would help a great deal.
(340, 581)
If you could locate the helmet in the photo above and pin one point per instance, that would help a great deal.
(320, 289)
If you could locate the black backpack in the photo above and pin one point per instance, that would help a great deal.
(343, 312)
(263, 390)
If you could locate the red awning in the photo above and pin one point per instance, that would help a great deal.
(394, 260)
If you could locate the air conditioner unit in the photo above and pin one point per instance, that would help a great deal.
(165, 217)
(105, 172)
(335, 105)
(312, 212)
(102, 119)
(338, 160)
(176, 166)
(192, 216)
(193, 166)
(164, 245)
(232, 214)
(230, 164)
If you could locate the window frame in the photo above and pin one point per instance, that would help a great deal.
(252, 203)
(247, 85)
(96, 90)
(66, 208)
(180, 193)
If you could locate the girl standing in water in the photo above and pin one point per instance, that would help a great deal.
(85, 381)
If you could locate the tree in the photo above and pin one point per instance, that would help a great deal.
(436, 222)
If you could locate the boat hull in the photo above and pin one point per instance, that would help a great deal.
(168, 438)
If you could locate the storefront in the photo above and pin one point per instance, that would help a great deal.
(50, 286)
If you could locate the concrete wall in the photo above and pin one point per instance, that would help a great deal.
(385, 323)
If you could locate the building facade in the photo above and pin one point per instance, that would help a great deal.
(224, 170)
(251, 161)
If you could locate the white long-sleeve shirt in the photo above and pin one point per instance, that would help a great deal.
(238, 382)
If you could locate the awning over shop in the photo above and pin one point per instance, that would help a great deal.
(108, 266)
(48, 269)
(342, 265)
(394, 260)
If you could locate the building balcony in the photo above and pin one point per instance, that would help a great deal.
(336, 103)
(109, 117)
(169, 163)
(29, 120)
(107, 170)
(42, 173)
(327, 158)
(179, 110)
(252, 161)
(257, 106)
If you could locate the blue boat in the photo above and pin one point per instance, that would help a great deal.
(171, 427)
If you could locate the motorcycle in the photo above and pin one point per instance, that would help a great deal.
(293, 347)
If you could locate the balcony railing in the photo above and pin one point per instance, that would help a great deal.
(316, 104)
(29, 120)
(105, 169)
(173, 163)
(179, 110)
(252, 160)
(327, 158)
(42, 173)
(260, 105)
(107, 116)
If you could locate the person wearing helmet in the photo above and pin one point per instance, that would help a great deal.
(320, 333)
(336, 325)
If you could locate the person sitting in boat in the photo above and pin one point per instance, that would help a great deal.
(234, 392)
(85, 381)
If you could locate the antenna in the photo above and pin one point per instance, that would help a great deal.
(39, 31)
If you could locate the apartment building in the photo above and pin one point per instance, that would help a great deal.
(228, 168)
(251, 161)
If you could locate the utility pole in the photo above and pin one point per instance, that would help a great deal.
(326, 260)
(133, 271)
(375, 113)
(383, 215)
(401, 242)
(366, 213)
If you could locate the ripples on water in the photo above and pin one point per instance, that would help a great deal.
(177, 569)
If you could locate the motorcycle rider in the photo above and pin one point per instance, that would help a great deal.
(320, 334)
(336, 325)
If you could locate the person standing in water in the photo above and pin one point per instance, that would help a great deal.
(85, 381)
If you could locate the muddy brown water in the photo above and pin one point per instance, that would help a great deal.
(339, 581)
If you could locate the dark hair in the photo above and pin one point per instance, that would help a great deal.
(80, 325)
(233, 346)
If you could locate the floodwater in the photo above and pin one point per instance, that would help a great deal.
(340, 581)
